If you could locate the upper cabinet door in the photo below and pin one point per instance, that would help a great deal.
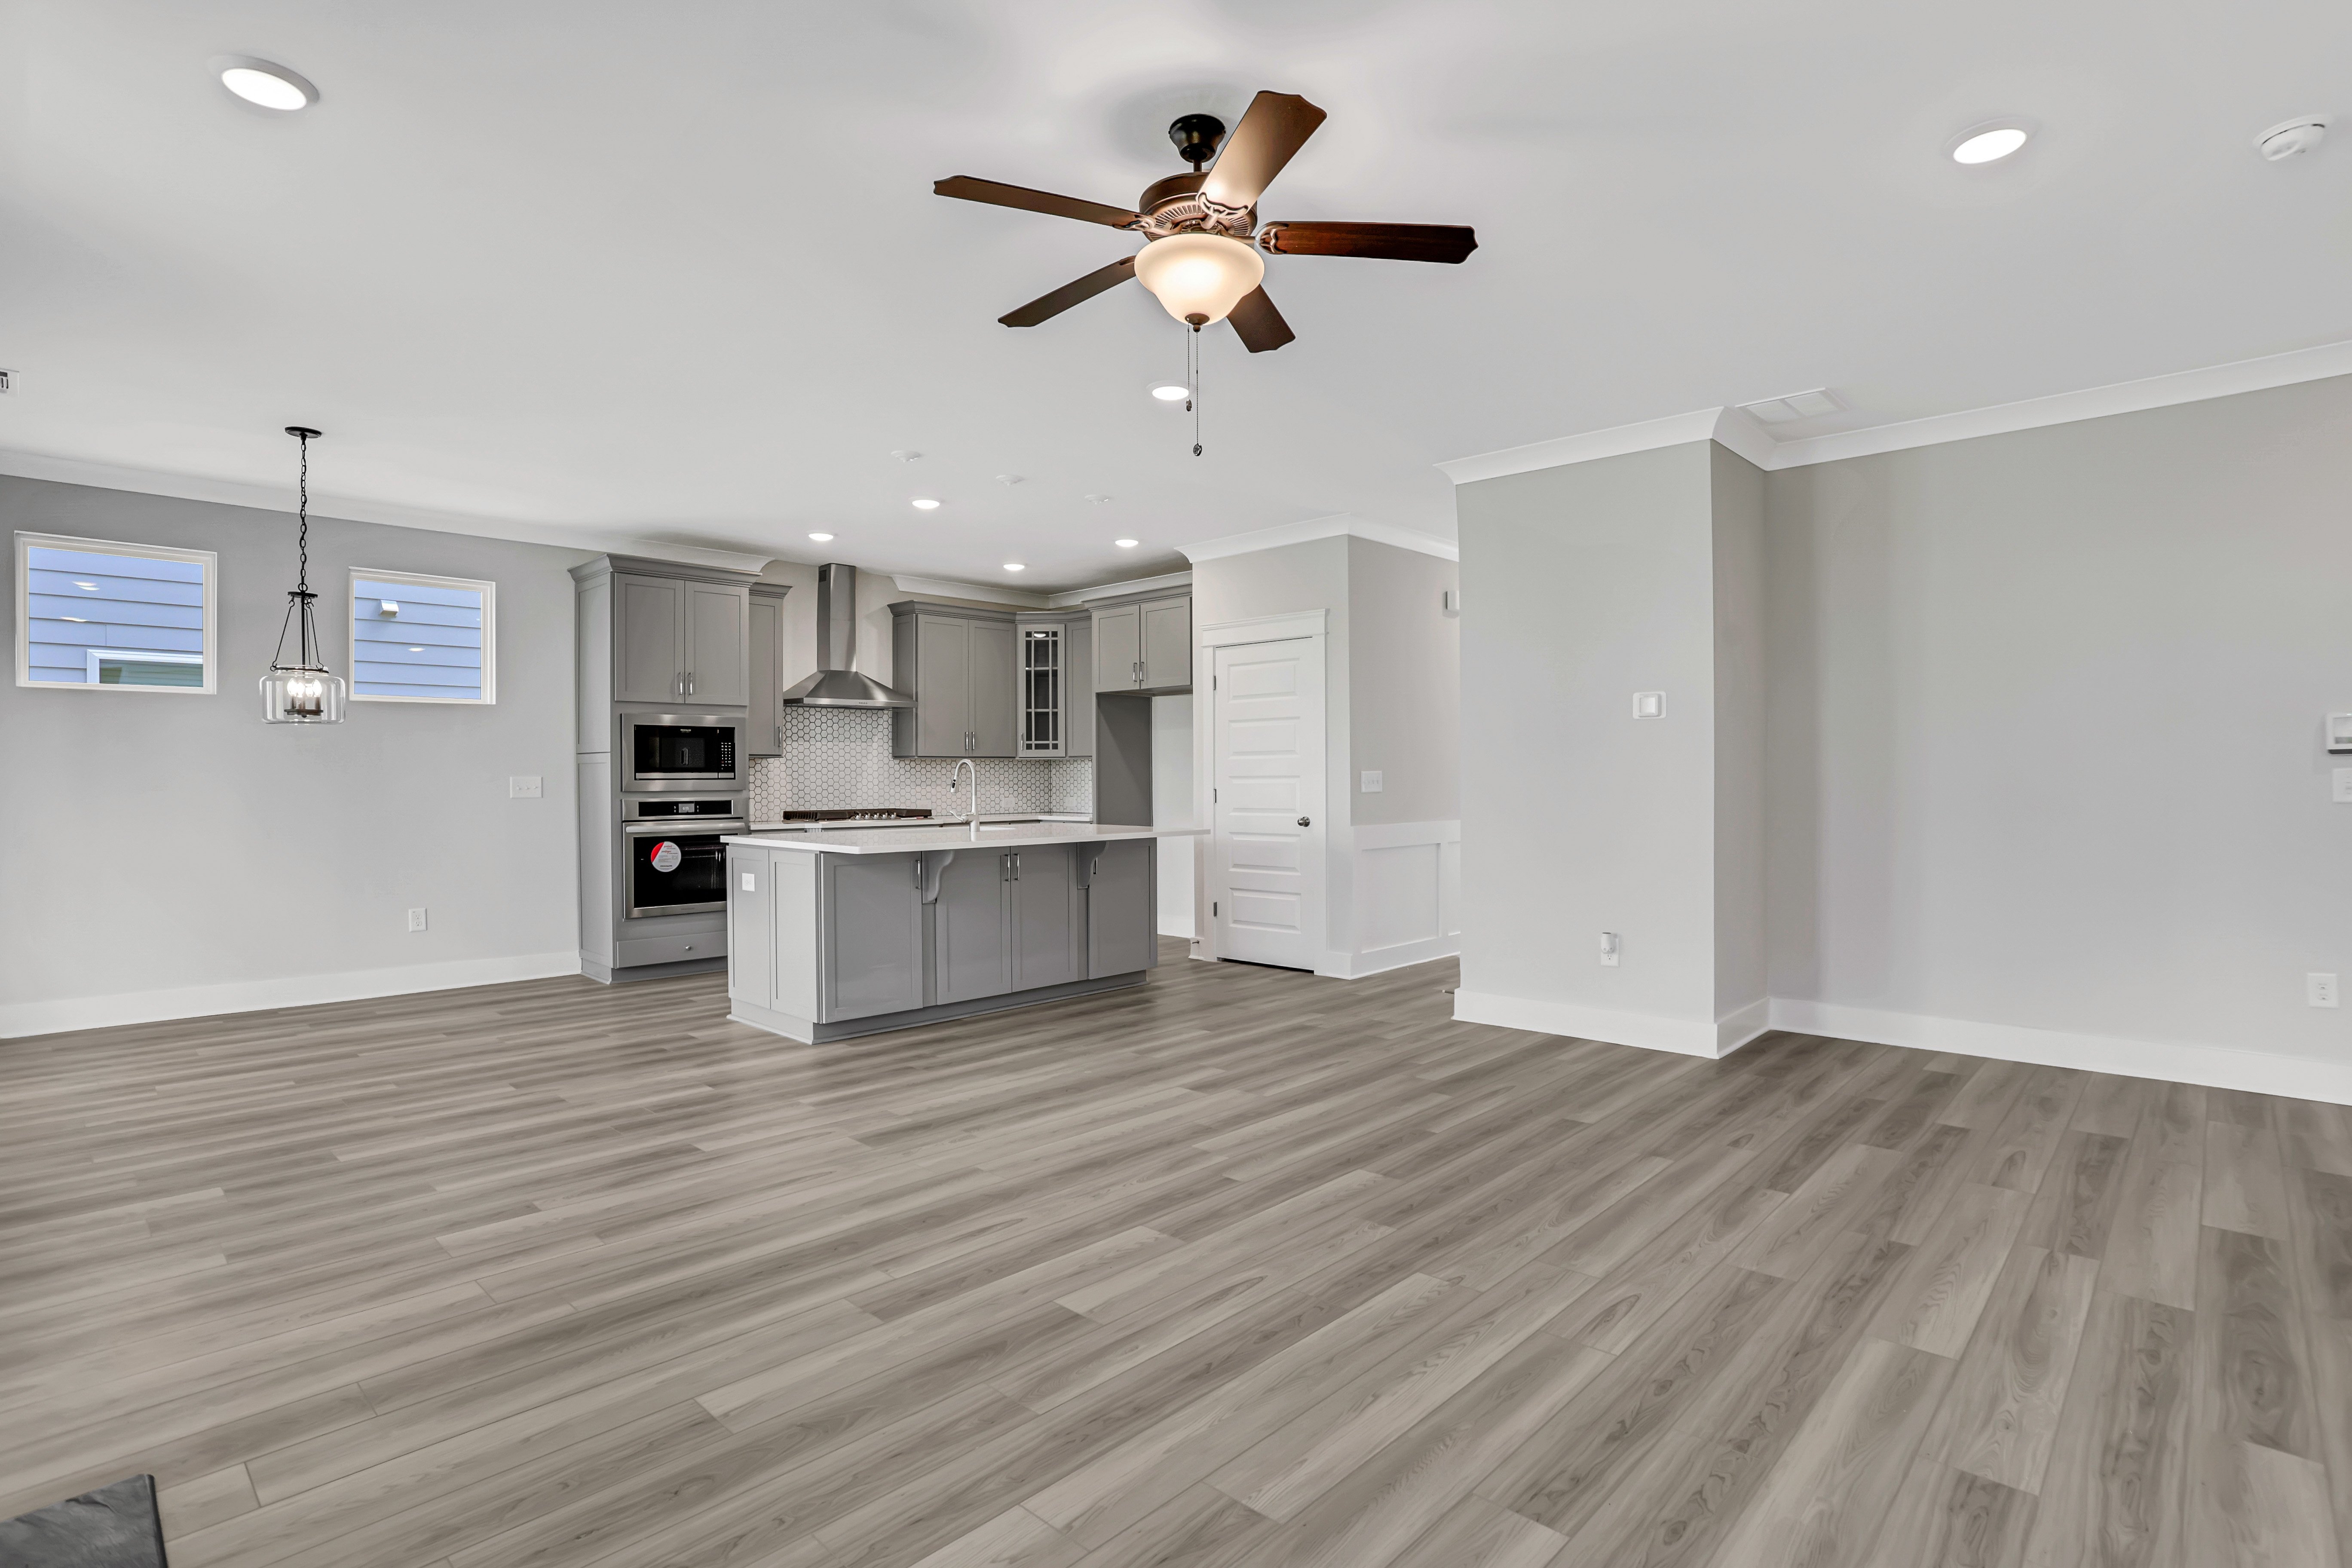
(1078, 689)
(766, 723)
(1167, 643)
(942, 687)
(995, 690)
(1119, 648)
(648, 639)
(719, 644)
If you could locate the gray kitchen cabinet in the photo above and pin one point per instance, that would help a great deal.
(766, 717)
(1119, 648)
(1144, 646)
(1048, 925)
(648, 638)
(717, 644)
(675, 639)
(1057, 685)
(995, 690)
(873, 936)
(1122, 906)
(971, 956)
(1167, 643)
(959, 666)
(750, 926)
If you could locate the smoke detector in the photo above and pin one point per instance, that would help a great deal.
(2295, 136)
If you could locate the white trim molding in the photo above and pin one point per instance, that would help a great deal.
(19, 1019)
(1332, 527)
(1403, 892)
(1026, 599)
(1730, 427)
(353, 508)
(1266, 628)
(1650, 1031)
(2172, 1061)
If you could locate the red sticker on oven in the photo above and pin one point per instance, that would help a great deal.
(666, 856)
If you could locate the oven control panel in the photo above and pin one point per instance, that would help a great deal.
(669, 808)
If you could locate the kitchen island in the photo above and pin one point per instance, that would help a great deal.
(856, 930)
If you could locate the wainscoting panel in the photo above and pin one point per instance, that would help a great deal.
(1407, 897)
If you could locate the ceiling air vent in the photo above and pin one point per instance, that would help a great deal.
(1795, 407)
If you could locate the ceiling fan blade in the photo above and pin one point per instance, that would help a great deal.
(1392, 241)
(963, 187)
(1047, 305)
(1276, 126)
(1261, 326)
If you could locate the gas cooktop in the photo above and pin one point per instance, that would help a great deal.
(856, 814)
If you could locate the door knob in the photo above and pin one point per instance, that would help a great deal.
(1305, 822)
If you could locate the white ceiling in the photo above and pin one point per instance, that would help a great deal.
(676, 271)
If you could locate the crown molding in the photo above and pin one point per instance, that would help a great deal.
(1732, 428)
(1112, 590)
(987, 593)
(348, 508)
(1335, 526)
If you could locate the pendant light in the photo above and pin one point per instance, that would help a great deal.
(306, 691)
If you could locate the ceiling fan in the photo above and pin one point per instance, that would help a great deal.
(1203, 236)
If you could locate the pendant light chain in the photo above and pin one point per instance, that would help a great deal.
(303, 553)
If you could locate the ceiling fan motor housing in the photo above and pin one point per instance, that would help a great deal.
(1175, 206)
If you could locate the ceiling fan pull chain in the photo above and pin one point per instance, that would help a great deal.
(1194, 403)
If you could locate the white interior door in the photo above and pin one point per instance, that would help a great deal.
(1267, 851)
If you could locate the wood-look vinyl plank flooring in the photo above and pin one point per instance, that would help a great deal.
(1242, 1269)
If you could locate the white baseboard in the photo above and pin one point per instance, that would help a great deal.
(1684, 1037)
(19, 1019)
(2214, 1067)
(1356, 965)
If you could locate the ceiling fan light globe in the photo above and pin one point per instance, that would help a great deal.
(1199, 274)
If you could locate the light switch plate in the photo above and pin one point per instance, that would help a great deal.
(1649, 704)
(2319, 990)
(1372, 780)
(2339, 731)
(525, 786)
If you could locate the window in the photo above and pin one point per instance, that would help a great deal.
(121, 617)
(422, 639)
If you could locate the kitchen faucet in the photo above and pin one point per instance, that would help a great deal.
(971, 814)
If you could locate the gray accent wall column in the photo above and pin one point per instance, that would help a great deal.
(1583, 585)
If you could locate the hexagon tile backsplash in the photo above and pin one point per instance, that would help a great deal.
(841, 758)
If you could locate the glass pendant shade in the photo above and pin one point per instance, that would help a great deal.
(1199, 277)
(301, 696)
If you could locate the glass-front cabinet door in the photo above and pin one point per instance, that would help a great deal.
(1040, 691)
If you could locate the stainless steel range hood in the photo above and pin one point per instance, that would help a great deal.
(837, 683)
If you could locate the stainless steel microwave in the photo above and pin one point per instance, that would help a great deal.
(660, 753)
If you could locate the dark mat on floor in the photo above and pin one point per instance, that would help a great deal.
(114, 1527)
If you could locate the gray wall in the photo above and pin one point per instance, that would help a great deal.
(1404, 685)
(1742, 960)
(166, 841)
(1581, 585)
(2045, 728)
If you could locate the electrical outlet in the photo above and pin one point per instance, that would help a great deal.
(2319, 990)
(1610, 948)
(2343, 780)
(525, 786)
(1371, 781)
(1649, 705)
(416, 920)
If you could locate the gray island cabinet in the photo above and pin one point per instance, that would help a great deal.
(857, 931)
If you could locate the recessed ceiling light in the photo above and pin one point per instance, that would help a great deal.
(821, 538)
(1008, 478)
(1172, 394)
(1014, 566)
(1989, 146)
(1127, 543)
(1097, 500)
(906, 457)
(270, 85)
(925, 503)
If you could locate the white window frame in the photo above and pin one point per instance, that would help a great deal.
(490, 593)
(210, 561)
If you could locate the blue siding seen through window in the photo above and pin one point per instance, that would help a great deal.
(98, 618)
(412, 640)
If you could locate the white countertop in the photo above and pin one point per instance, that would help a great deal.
(954, 835)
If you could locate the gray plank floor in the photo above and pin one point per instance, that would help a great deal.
(1242, 1269)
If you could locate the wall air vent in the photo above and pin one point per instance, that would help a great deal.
(1795, 407)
